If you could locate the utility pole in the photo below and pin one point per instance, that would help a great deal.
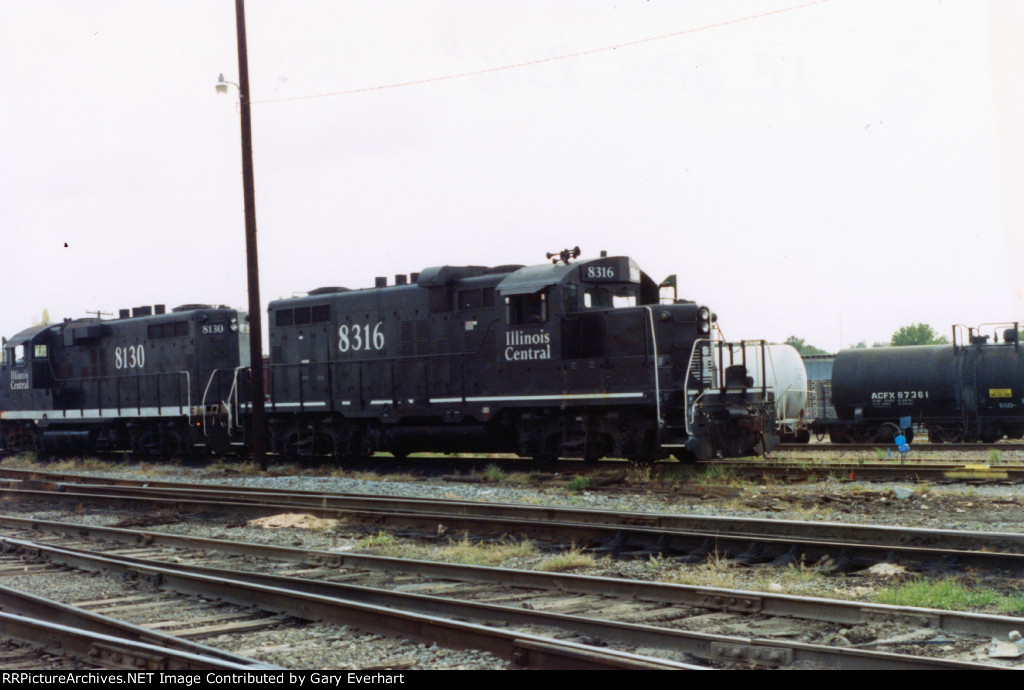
(258, 416)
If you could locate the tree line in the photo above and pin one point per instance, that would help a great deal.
(914, 334)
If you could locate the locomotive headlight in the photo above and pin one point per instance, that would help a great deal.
(233, 327)
(704, 320)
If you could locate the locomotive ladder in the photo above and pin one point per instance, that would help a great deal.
(230, 407)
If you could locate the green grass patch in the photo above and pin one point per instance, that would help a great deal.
(950, 594)
(22, 461)
(234, 467)
(719, 474)
(578, 484)
(494, 474)
(573, 559)
(377, 541)
(490, 554)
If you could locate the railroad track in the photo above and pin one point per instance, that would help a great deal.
(800, 468)
(48, 634)
(1002, 446)
(689, 538)
(616, 616)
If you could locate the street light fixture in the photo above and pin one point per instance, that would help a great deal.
(222, 85)
(258, 417)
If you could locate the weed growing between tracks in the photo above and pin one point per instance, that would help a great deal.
(492, 554)
(573, 559)
(578, 484)
(493, 473)
(30, 461)
(23, 461)
(463, 551)
(950, 594)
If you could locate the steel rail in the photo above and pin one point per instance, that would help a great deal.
(713, 598)
(753, 539)
(878, 470)
(332, 504)
(917, 446)
(44, 611)
(109, 651)
(287, 595)
(419, 616)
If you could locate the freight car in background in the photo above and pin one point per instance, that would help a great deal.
(970, 390)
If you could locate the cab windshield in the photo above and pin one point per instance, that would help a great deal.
(609, 297)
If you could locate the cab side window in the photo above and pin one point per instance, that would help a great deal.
(525, 310)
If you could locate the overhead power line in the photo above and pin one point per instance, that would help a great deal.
(539, 61)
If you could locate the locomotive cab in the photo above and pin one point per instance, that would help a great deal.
(26, 364)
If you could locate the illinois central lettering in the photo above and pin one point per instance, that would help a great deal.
(521, 345)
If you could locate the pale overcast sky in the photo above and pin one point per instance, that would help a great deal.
(833, 170)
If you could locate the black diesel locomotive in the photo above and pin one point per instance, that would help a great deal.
(149, 381)
(969, 391)
(557, 360)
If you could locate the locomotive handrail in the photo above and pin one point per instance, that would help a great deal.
(233, 405)
(188, 395)
(716, 368)
(209, 382)
(657, 382)
(81, 381)
(689, 416)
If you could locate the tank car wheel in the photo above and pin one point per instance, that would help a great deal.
(838, 435)
(990, 433)
(1013, 431)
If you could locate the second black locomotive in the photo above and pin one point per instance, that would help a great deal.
(149, 381)
(555, 360)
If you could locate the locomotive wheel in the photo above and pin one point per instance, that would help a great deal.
(684, 456)
(550, 451)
